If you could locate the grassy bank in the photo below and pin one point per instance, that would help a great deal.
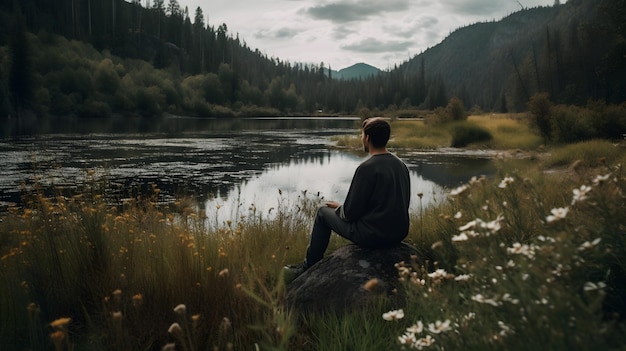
(534, 261)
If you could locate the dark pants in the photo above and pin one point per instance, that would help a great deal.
(327, 221)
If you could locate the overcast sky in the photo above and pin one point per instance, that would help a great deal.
(341, 33)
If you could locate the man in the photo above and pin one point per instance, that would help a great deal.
(375, 213)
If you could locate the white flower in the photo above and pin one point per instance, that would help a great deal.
(462, 277)
(407, 339)
(424, 342)
(416, 328)
(600, 179)
(438, 274)
(557, 214)
(589, 286)
(460, 237)
(481, 299)
(519, 249)
(181, 309)
(439, 327)
(580, 194)
(589, 245)
(469, 316)
(458, 215)
(504, 329)
(393, 315)
(506, 181)
(459, 190)
(175, 330)
(468, 225)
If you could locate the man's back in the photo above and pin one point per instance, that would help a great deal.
(378, 199)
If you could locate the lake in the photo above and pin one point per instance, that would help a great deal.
(230, 164)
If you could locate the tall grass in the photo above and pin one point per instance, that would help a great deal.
(118, 271)
(532, 260)
(507, 132)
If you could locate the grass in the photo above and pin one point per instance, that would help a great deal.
(509, 131)
(533, 260)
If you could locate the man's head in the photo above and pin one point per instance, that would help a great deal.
(377, 130)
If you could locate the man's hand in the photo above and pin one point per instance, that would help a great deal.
(332, 204)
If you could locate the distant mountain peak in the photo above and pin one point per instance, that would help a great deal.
(357, 71)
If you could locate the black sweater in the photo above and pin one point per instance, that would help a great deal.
(377, 203)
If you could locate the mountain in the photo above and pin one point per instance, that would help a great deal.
(356, 71)
(554, 49)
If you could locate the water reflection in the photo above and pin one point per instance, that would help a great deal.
(327, 176)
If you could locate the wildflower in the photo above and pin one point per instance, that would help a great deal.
(371, 284)
(580, 194)
(439, 327)
(226, 324)
(461, 237)
(519, 249)
(61, 322)
(137, 300)
(416, 328)
(507, 297)
(494, 225)
(407, 339)
(424, 342)
(393, 315)
(504, 329)
(469, 316)
(506, 181)
(57, 338)
(116, 316)
(438, 274)
(462, 277)
(181, 310)
(175, 330)
(589, 245)
(468, 225)
(223, 272)
(458, 190)
(600, 179)
(589, 286)
(458, 215)
(557, 214)
(481, 299)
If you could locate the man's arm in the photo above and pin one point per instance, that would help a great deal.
(355, 205)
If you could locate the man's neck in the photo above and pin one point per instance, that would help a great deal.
(378, 151)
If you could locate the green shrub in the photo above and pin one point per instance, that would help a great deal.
(466, 133)
(572, 124)
(540, 108)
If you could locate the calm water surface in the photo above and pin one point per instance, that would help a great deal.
(264, 163)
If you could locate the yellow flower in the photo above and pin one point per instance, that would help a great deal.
(61, 322)
(137, 300)
(57, 337)
(371, 284)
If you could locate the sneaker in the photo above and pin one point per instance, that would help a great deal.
(292, 272)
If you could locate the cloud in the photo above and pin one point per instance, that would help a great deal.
(373, 45)
(280, 33)
(480, 8)
(342, 32)
(349, 11)
(413, 28)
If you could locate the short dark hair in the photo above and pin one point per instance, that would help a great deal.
(378, 130)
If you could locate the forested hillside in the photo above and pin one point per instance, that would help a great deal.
(574, 52)
(104, 57)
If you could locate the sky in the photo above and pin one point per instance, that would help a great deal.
(341, 33)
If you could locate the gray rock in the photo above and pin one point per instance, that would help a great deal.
(337, 282)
